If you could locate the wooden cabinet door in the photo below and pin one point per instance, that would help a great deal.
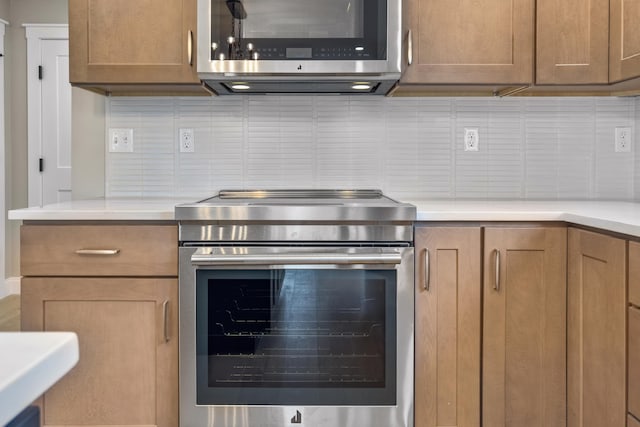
(596, 337)
(447, 355)
(634, 273)
(132, 41)
(624, 59)
(634, 361)
(470, 41)
(572, 41)
(524, 344)
(127, 329)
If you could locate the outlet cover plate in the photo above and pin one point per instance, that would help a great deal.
(623, 139)
(471, 139)
(186, 141)
(120, 140)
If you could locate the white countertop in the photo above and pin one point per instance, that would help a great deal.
(621, 217)
(30, 363)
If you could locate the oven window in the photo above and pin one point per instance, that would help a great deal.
(296, 337)
(300, 29)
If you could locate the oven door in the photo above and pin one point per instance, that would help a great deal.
(271, 333)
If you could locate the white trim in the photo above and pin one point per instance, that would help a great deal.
(3, 220)
(10, 286)
(35, 33)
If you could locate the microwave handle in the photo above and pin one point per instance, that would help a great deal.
(409, 47)
(292, 258)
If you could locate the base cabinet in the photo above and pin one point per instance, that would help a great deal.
(518, 307)
(127, 332)
(524, 332)
(596, 341)
(447, 340)
(103, 282)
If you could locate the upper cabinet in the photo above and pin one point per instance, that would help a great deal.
(572, 42)
(469, 41)
(509, 46)
(624, 56)
(133, 46)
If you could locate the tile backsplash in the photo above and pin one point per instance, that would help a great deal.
(411, 148)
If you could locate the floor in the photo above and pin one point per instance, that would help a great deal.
(10, 313)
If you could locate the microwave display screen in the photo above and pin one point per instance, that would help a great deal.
(298, 29)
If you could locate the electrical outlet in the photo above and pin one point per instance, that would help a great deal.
(185, 140)
(471, 139)
(623, 140)
(121, 140)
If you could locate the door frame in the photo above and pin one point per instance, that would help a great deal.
(3, 241)
(35, 34)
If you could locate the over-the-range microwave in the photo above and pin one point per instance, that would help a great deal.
(299, 46)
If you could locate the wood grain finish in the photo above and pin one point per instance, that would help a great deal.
(634, 273)
(634, 362)
(144, 250)
(127, 374)
(624, 55)
(447, 355)
(524, 379)
(572, 42)
(470, 41)
(632, 422)
(131, 41)
(596, 339)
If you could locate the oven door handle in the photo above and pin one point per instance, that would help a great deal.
(293, 258)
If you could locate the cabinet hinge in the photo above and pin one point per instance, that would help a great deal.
(39, 72)
(41, 164)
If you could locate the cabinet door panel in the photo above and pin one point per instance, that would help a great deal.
(470, 41)
(447, 384)
(127, 372)
(596, 364)
(634, 361)
(624, 61)
(524, 327)
(131, 41)
(634, 273)
(572, 41)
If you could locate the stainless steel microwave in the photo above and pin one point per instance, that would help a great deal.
(299, 46)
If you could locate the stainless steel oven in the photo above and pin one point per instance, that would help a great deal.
(305, 322)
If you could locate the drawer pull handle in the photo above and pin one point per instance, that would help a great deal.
(190, 48)
(165, 316)
(107, 252)
(409, 47)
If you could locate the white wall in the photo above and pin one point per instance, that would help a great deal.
(530, 148)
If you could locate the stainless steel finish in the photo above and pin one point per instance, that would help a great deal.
(257, 232)
(348, 206)
(400, 415)
(165, 318)
(190, 47)
(300, 194)
(427, 269)
(496, 285)
(409, 47)
(213, 72)
(99, 252)
(231, 256)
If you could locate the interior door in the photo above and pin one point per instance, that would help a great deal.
(56, 122)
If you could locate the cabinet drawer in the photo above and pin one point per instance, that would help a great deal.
(634, 273)
(634, 361)
(99, 250)
(632, 422)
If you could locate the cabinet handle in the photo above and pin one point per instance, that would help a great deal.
(496, 285)
(190, 47)
(107, 252)
(165, 318)
(409, 47)
(427, 269)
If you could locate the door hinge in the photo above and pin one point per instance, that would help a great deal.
(39, 72)
(41, 164)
